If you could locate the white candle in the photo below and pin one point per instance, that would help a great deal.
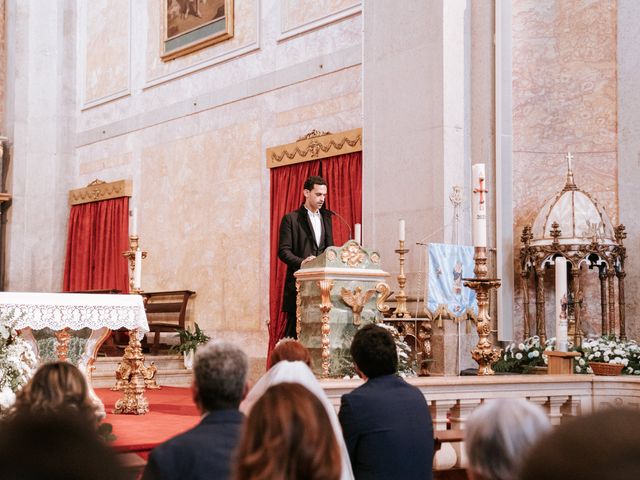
(561, 304)
(479, 206)
(137, 271)
(133, 221)
(357, 234)
(401, 230)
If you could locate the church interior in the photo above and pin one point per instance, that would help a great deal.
(481, 159)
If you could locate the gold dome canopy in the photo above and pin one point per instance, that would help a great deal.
(579, 219)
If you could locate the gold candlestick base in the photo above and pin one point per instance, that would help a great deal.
(401, 297)
(484, 353)
(131, 373)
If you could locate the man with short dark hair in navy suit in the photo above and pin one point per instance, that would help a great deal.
(386, 422)
(205, 451)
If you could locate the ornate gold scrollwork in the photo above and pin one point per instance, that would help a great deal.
(100, 190)
(352, 255)
(383, 289)
(315, 145)
(298, 309)
(325, 307)
(356, 299)
(132, 374)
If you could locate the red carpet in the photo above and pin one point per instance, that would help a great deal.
(171, 411)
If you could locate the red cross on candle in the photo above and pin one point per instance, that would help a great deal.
(481, 190)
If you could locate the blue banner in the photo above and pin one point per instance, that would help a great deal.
(448, 265)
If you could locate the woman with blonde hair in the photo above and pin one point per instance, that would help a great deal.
(57, 387)
(288, 436)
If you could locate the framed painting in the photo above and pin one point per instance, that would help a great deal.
(189, 25)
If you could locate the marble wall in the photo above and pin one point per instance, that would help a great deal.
(191, 133)
(3, 65)
(564, 99)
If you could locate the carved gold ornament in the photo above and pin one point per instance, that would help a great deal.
(314, 146)
(298, 309)
(383, 289)
(356, 300)
(99, 190)
(325, 308)
(133, 376)
(352, 255)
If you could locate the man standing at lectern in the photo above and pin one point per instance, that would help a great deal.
(304, 234)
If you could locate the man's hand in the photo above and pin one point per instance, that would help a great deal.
(308, 259)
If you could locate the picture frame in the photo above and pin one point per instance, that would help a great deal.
(190, 25)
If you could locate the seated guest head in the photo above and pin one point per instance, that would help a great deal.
(290, 350)
(288, 436)
(220, 376)
(605, 444)
(499, 433)
(56, 387)
(374, 352)
(55, 446)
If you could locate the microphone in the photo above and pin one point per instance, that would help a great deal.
(331, 212)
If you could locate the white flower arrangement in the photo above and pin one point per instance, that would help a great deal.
(610, 350)
(17, 362)
(524, 356)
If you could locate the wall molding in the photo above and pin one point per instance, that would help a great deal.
(82, 63)
(317, 23)
(220, 57)
(275, 80)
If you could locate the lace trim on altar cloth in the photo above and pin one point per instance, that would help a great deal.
(59, 311)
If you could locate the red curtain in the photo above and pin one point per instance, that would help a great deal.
(97, 236)
(344, 177)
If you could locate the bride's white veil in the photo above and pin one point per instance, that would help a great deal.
(299, 372)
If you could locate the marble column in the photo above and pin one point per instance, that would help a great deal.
(628, 85)
(40, 112)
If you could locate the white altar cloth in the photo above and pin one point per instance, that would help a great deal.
(75, 311)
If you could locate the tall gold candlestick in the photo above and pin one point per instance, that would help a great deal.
(401, 297)
(134, 244)
(484, 353)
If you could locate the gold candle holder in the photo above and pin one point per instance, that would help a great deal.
(484, 353)
(401, 297)
(134, 244)
(131, 372)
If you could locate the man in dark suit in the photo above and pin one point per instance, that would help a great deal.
(304, 234)
(205, 451)
(386, 422)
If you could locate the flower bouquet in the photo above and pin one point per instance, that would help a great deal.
(607, 356)
(524, 357)
(17, 362)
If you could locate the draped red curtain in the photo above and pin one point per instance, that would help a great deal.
(97, 236)
(344, 177)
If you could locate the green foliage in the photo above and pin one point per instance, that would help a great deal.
(189, 340)
(523, 357)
